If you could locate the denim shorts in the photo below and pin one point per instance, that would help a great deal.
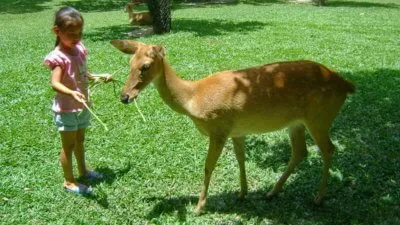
(72, 121)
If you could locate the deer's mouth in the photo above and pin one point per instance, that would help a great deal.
(127, 98)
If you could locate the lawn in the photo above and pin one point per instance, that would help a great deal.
(154, 169)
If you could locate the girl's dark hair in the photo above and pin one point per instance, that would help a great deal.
(63, 18)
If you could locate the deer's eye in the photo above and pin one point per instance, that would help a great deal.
(145, 67)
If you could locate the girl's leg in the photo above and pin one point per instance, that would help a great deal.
(68, 140)
(79, 151)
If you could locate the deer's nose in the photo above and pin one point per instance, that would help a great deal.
(125, 99)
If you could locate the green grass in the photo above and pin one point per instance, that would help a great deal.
(154, 170)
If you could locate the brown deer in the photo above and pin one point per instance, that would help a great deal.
(298, 95)
(139, 18)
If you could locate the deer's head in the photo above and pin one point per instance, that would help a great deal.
(145, 65)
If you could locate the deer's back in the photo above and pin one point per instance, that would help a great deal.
(271, 95)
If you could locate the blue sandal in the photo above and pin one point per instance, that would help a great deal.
(92, 175)
(81, 189)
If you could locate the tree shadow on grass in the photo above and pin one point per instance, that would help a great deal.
(96, 5)
(176, 5)
(267, 155)
(109, 33)
(22, 6)
(360, 4)
(263, 2)
(203, 28)
(363, 188)
(198, 27)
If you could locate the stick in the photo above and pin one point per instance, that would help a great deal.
(105, 75)
(95, 85)
(117, 71)
(144, 119)
(95, 116)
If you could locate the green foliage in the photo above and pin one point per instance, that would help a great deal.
(154, 170)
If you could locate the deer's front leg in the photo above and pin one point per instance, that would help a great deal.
(214, 151)
(238, 144)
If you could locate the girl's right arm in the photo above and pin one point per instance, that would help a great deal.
(61, 88)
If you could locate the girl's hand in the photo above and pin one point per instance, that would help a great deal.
(78, 96)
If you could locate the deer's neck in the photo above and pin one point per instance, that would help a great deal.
(175, 91)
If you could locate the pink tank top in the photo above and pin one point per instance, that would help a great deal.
(74, 76)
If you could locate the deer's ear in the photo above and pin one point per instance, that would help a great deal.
(160, 51)
(126, 46)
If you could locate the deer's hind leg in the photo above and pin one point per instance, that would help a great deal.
(238, 144)
(326, 147)
(318, 124)
(299, 151)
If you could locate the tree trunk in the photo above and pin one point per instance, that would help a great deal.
(161, 13)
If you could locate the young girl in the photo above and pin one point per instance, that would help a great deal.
(69, 78)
